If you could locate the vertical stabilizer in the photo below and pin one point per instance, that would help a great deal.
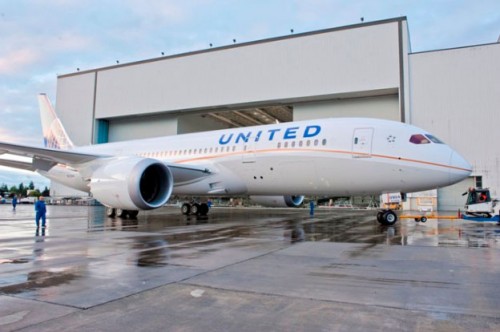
(54, 135)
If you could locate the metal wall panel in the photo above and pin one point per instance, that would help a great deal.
(382, 107)
(142, 127)
(450, 198)
(314, 66)
(75, 105)
(456, 95)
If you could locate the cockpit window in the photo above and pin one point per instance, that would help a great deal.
(434, 139)
(419, 139)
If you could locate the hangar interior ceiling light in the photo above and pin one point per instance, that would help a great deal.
(254, 116)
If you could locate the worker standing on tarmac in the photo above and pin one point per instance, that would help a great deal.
(14, 202)
(40, 210)
(311, 208)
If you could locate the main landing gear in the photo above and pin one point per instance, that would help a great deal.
(120, 213)
(387, 217)
(199, 209)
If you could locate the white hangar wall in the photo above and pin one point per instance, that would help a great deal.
(456, 95)
(386, 107)
(75, 106)
(320, 65)
(337, 65)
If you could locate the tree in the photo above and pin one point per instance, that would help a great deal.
(22, 190)
(13, 190)
(31, 186)
(46, 192)
(3, 189)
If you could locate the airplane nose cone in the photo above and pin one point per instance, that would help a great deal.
(459, 168)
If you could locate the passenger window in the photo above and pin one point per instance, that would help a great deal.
(279, 145)
(293, 144)
(419, 139)
(324, 141)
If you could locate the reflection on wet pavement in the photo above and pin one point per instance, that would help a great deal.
(81, 242)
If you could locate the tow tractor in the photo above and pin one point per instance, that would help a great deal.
(480, 205)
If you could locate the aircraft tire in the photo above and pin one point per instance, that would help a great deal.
(186, 209)
(195, 209)
(110, 212)
(204, 209)
(121, 213)
(380, 214)
(132, 214)
(423, 219)
(389, 218)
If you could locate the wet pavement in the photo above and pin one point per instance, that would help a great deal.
(244, 270)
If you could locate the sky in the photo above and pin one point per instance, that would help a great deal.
(41, 39)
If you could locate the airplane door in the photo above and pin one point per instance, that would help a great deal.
(362, 143)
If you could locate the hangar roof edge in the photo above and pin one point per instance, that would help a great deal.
(260, 41)
(455, 48)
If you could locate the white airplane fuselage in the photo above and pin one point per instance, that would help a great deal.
(344, 156)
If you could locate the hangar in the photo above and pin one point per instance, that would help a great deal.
(361, 70)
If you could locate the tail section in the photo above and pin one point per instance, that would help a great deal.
(54, 135)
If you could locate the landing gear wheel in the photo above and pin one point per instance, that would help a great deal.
(389, 218)
(195, 209)
(186, 209)
(110, 212)
(379, 216)
(204, 209)
(417, 219)
(121, 213)
(132, 214)
(423, 219)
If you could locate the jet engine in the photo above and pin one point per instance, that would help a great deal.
(278, 201)
(132, 184)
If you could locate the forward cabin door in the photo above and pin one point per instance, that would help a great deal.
(362, 143)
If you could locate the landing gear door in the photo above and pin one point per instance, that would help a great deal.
(362, 143)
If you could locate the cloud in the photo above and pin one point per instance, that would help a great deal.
(17, 60)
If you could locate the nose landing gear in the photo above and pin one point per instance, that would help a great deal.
(387, 217)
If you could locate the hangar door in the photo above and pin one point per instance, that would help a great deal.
(450, 198)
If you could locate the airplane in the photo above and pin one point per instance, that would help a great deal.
(275, 164)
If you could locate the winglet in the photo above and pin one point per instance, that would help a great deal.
(54, 135)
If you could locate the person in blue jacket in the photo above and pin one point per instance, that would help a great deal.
(40, 210)
(14, 202)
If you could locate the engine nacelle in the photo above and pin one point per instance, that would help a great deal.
(132, 184)
(278, 201)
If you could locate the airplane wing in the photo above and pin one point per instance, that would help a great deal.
(45, 158)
